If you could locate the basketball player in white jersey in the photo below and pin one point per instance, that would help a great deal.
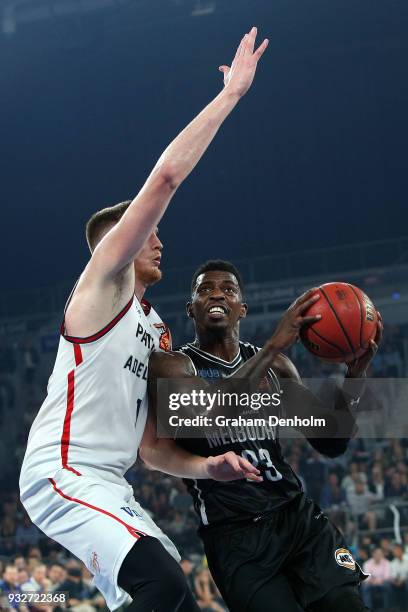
(88, 429)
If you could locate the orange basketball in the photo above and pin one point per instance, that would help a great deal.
(348, 323)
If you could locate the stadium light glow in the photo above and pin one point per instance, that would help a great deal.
(203, 7)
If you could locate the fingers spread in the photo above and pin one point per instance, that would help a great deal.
(304, 305)
(261, 49)
(242, 46)
(251, 39)
(310, 320)
(239, 50)
(308, 294)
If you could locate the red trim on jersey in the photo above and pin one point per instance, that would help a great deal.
(136, 533)
(99, 334)
(146, 306)
(66, 432)
(78, 354)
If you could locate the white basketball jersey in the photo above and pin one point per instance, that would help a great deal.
(94, 415)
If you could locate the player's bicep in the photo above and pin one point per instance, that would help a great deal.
(161, 366)
(166, 365)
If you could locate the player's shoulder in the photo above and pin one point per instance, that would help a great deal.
(284, 367)
(186, 351)
(170, 364)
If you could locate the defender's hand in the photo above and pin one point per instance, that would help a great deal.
(231, 467)
(238, 78)
(293, 320)
(359, 367)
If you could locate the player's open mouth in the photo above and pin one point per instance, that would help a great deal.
(217, 311)
(157, 261)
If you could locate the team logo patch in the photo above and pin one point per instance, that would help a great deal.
(165, 336)
(344, 558)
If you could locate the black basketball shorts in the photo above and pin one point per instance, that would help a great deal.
(297, 541)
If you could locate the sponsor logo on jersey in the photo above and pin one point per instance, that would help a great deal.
(165, 336)
(131, 511)
(344, 558)
(209, 373)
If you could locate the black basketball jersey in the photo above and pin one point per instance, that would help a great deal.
(218, 502)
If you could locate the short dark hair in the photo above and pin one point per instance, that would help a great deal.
(99, 220)
(219, 265)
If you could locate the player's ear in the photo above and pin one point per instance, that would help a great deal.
(244, 311)
(189, 310)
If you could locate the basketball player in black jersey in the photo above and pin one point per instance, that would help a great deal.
(269, 547)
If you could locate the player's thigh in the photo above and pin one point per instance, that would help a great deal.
(320, 562)
(339, 599)
(96, 521)
(275, 596)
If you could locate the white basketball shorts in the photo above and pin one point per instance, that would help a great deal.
(96, 521)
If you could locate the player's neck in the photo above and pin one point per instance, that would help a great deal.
(223, 345)
(140, 289)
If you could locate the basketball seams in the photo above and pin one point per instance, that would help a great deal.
(361, 314)
(338, 348)
(338, 320)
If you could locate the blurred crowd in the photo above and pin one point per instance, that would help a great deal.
(365, 493)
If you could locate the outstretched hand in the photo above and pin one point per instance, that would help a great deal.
(230, 466)
(239, 76)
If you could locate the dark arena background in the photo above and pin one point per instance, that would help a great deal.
(307, 182)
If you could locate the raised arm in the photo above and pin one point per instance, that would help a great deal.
(122, 244)
(110, 265)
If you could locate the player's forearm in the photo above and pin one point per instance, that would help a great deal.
(330, 430)
(145, 212)
(164, 455)
(181, 156)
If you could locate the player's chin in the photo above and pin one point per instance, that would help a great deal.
(217, 323)
(153, 275)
